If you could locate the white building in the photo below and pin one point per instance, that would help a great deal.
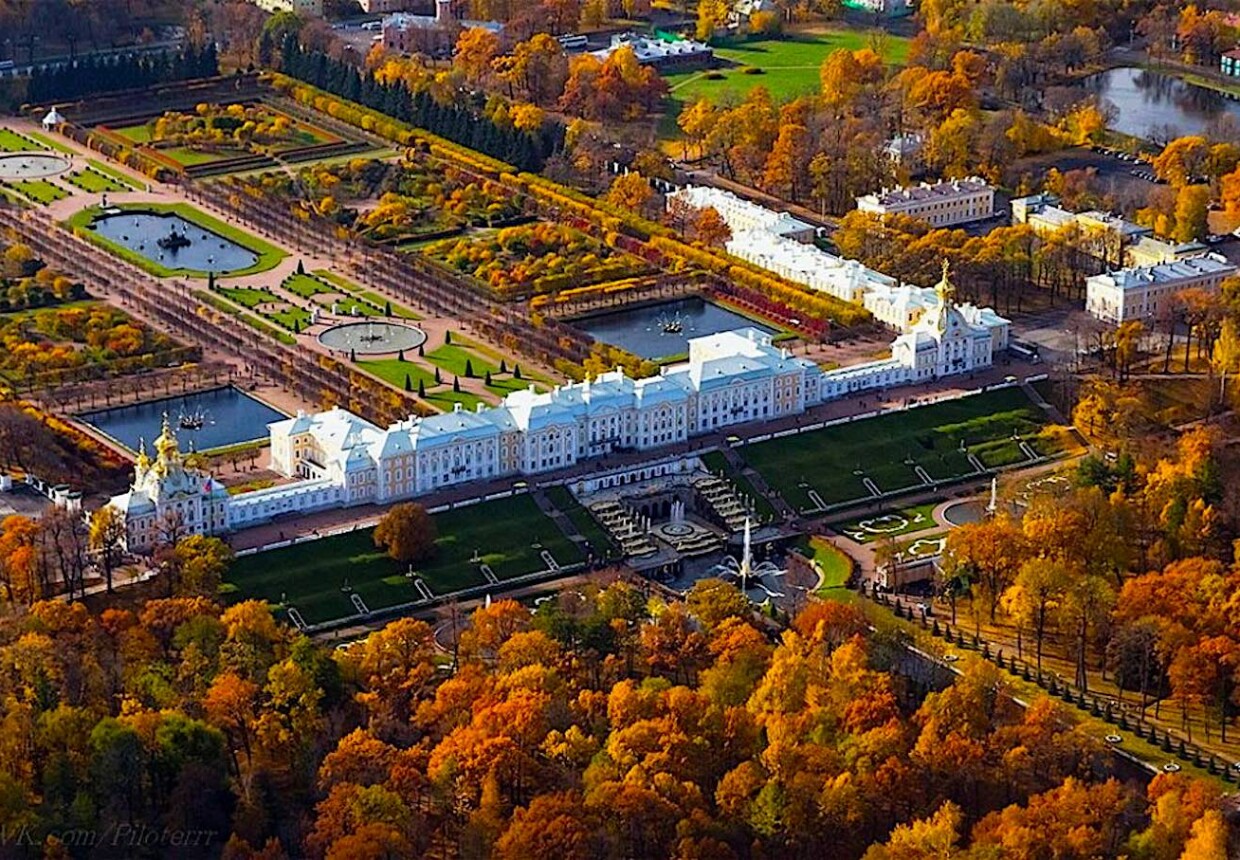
(1151, 251)
(740, 214)
(956, 201)
(169, 497)
(766, 239)
(337, 459)
(660, 53)
(1145, 292)
(311, 8)
(1043, 213)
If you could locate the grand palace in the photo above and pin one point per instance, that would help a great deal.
(335, 458)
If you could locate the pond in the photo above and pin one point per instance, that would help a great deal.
(204, 420)
(174, 242)
(1159, 107)
(663, 330)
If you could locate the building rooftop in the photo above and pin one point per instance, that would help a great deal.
(654, 51)
(941, 190)
(1193, 267)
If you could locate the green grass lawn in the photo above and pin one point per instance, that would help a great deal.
(187, 157)
(306, 286)
(350, 305)
(886, 449)
(95, 183)
(247, 297)
(252, 321)
(508, 535)
(347, 286)
(40, 191)
(452, 358)
(111, 171)
(11, 141)
(581, 519)
(835, 565)
(790, 68)
(394, 370)
(888, 523)
(51, 143)
(136, 133)
(269, 256)
(291, 317)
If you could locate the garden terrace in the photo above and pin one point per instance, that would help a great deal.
(903, 451)
(507, 535)
(533, 259)
(415, 199)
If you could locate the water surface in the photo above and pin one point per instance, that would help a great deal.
(641, 330)
(206, 252)
(204, 420)
(1151, 104)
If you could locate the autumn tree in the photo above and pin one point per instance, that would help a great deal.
(993, 550)
(1192, 213)
(630, 191)
(407, 532)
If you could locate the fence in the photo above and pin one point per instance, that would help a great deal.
(1123, 716)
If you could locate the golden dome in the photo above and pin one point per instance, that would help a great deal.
(166, 447)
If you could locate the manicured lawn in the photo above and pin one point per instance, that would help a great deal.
(40, 191)
(51, 143)
(350, 305)
(888, 523)
(11, 141)
(111, 171)
(310, 576)
(89, 180)
(581, 519)
(291, 317)
(136, 133)
(834, 563)
(249, 319)
(379, 301)
(834, 462)
(306, 286)
(394, 370)
(187, 157)
(269, 256)
(248, 297)
(790, 66)
(452, 357)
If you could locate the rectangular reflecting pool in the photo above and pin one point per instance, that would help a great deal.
(173, 242)
(663, 330)
(204, 420)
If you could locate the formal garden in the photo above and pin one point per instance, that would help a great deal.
(78, 340)
(906, 450)
(138, 233)
(217, 132)
(532, 259)
(888, 523)
(415, 199)
(318, 577)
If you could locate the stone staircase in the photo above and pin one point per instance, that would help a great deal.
(723, 501)
(625, 529)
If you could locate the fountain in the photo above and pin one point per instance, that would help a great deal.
(195, 419)
(174, 241)
(745, 569)
(663, 329)
(373, 338)
(993, 505)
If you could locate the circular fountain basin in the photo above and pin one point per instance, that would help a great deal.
(373, 338)
(32, 165)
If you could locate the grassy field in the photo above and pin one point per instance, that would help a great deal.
(888, 523)
(394, 371)
(347, 286)
(109, 170)
(11, 141)
(247, 297)
(269, 256)
(836, 568)
(51, 143)
(306, 286)
(291, 317)
(789, 67)
(94, 182)
(835, 461)
(508, 535)
(40, 191)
